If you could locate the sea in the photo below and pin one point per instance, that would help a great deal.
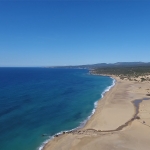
(37, 103)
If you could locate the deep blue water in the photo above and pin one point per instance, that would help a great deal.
(36, 101)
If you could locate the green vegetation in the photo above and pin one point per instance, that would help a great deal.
(143, 79)
(130, 73)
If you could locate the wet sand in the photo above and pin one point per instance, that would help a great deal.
(121, 121)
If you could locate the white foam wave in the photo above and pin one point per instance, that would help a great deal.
(108, 88)
(59, 133)
(43, 144)
(82, 124)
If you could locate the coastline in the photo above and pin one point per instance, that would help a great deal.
(113, 110)
(83, 124)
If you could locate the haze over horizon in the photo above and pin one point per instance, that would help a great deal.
(59, 33)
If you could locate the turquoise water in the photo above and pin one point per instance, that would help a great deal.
(37, 101)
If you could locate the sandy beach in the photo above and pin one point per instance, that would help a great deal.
(117, 124)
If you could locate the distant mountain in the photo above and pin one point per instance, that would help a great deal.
(102, 65)
(130, 63)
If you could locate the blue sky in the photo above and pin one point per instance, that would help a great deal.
(49, 33)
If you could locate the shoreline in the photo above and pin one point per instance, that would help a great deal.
(83, 124)
(115, 111)
(104, 93)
